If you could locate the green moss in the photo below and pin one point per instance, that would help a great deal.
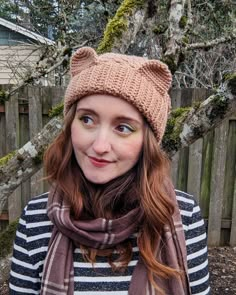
(183, 21)
(220, 106)
(7, 238)
(170, 61)
(56, 110)
(171, 140)
(176, 113)
(159, 29)
(3, 96)
(117, 25)
(196, 104)
(5, 159)
(185, 40)
(229, 76)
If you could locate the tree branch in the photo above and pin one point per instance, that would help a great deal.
(183, 128)
(212, 43)
(27, 160)
(122, 29)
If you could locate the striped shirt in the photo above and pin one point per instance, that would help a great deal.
(31, 245)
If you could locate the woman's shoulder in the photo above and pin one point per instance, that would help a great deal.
(189, 209)
(185, 201)
(36, 210)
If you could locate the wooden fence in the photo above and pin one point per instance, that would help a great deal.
(206, 169)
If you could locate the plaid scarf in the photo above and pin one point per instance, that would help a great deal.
(58, 272)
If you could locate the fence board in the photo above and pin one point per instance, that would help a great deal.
(217, 184)
(174, 168)
(12, 143)
(233, 224)
(35, 125)
(2, 131)
(175, 95)
(182, 178)
(230, 170)
(195, 168)
(207, 155)
(23, 138)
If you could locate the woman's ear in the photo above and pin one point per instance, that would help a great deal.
(158, 73)
(82, 59)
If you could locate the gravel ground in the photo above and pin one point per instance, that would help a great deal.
(222, 263)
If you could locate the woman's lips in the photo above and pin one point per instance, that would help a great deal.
(99, 162)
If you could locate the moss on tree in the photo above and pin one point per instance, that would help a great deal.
(118, 24)
(170, 61)
(5, 159)
(219, 108)
(231, 78)
(171, 140)
(3, 96)
(7, 238)
(183, 21)
(159, 29)
(57, 110)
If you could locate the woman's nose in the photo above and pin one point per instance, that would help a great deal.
(102, 142)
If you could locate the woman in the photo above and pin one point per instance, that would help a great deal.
(112, 222)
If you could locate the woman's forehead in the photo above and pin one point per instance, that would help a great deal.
(105, 103)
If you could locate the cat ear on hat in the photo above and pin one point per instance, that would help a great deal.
(158, 73)
(82, 59)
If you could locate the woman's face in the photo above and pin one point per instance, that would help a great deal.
(107, 137)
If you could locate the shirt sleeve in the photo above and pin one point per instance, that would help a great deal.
(197, 252)
(24, 275)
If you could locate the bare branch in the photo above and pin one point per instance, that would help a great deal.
(212, 43)
(37, 73)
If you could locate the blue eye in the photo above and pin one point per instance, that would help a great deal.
(86, 120)
(124, 129)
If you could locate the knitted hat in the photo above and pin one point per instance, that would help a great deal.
(143, 83)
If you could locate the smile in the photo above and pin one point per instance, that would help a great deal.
(99, 162)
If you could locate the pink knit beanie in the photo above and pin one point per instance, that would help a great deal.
(143, 83)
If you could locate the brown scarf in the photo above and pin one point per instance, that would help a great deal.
(58, 273)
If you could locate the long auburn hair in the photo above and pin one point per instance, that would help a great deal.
(142, 186)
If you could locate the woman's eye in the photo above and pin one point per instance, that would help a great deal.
(86, 120)
(125, 129)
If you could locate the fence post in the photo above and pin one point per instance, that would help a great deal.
(217, 184)
(35, 125)
(12, 143)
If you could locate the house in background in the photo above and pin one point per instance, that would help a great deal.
(20, 50)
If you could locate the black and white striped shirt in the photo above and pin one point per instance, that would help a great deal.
(34, 232)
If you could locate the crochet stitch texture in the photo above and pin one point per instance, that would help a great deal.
(143, 83)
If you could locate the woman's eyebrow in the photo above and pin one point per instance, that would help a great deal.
(129, 119)
(117, 118)
(86, 110)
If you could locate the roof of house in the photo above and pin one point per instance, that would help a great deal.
(26, 32)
